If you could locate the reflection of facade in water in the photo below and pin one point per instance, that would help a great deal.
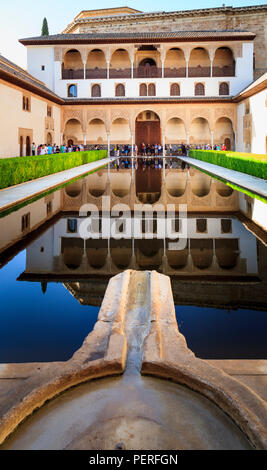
(218, 246)
(220, 257)
(199, 191)
(220, 266)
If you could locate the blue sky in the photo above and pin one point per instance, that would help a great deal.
(24, 18)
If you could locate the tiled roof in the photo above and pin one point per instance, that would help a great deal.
(88, 38)
(17, 75)
(255, 87)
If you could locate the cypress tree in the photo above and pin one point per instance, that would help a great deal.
(45, 31)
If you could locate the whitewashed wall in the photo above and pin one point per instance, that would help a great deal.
(12, 117)
(258, 112)
(44, 55)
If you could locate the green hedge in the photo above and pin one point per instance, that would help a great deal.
(249, 163)
(21, 169)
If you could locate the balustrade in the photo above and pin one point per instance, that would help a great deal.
(149, 72)
(175, 72)
(199, 71)
(225, 71)
(96, 73)
(120, 73)
(71, 74)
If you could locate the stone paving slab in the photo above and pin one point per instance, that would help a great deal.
(251, 183)
(21, 192)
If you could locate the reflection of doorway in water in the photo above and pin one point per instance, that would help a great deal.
(148, 181)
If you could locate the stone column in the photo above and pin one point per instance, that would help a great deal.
(162, 68)
(107, 53)
(211, 54)
(187, 52)
(84, 52)
(162, 58)
(84, 139)
(132, 150)
(84, 70)
(108, 139)
(108, 143)
(132, 144)
(132, 69)
(212, 138)
(163, 155)
(187, 139)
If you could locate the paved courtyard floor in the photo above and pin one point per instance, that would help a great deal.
(21, 192)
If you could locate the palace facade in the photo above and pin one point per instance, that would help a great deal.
(120, 76)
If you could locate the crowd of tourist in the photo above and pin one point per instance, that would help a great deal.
(49, 149)
(145, 150)
(144, 163)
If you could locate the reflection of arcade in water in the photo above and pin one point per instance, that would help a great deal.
(150, 185)
(217, 246)
(220, 260)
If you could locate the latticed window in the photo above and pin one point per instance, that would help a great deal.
(96, 91)
(151, 89)
(143, 89)
(224, 89)
(199, 89)
(175, 89)
(120, 90)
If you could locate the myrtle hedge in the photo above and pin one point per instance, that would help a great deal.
(21, 169)
(249, 163)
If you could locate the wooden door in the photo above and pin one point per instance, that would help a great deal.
(28, 146)
(21, 146)
(147, 132)
(227, 143)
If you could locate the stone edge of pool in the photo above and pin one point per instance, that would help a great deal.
(104, 353)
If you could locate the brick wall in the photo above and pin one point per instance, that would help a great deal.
(253, 20)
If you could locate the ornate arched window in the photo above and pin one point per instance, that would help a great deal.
(72, 91)
(224, 89)
(143, 89)
(175, 89)
(151, 89)
(199, 89)
(120, 90)
(96, 91)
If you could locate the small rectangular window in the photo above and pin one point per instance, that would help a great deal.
(49, 111)
(25, 222)
(43, 67)
(26, 103)
(49, 208)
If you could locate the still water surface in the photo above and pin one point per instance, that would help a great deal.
(48, 312)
